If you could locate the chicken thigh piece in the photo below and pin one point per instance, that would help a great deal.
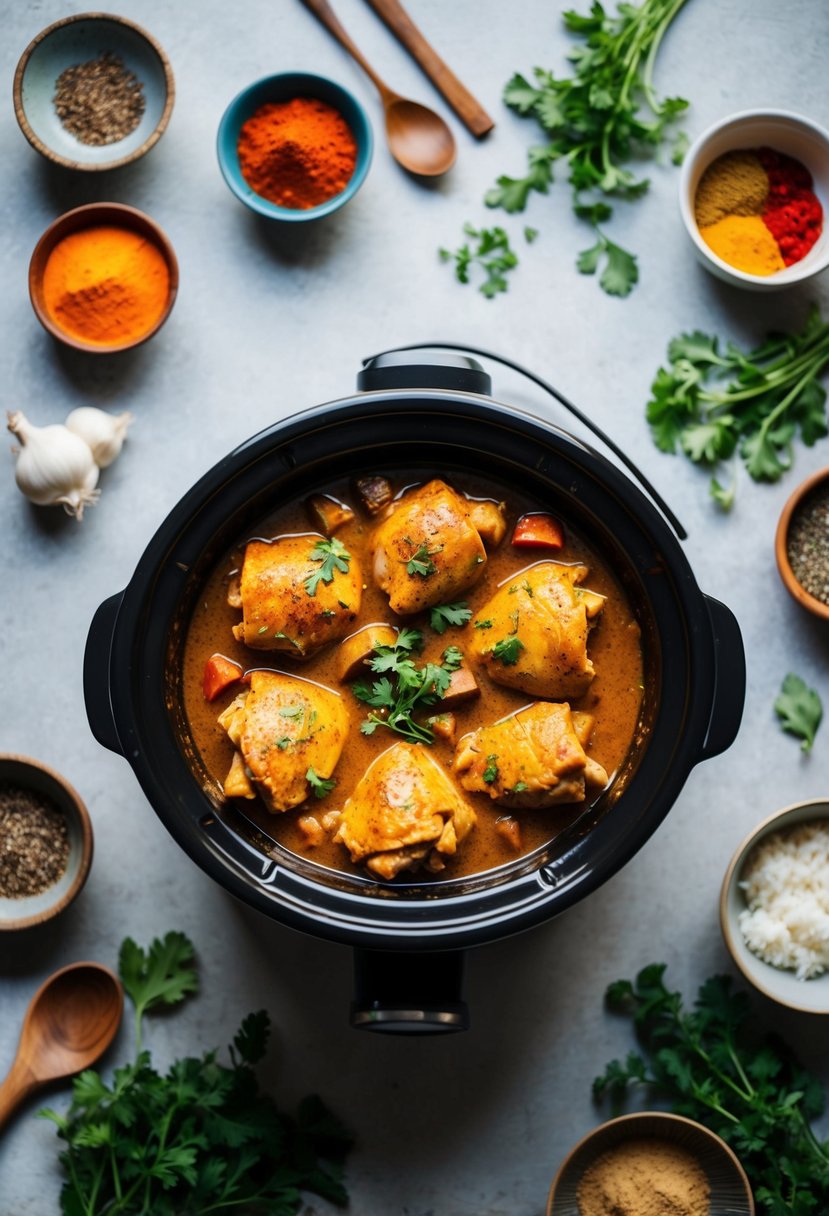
(404, 812)
(534, 758)
(426, 550)
(532, 634)
(297, 593)
(284, 728)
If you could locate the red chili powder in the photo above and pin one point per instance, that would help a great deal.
(792, 212)
(297, 153)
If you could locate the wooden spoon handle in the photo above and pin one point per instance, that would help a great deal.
(468, 109)
(324, 13)
(18, 1085)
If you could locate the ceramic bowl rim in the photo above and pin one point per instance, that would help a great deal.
(72, 221)
(99, 166)
(634, 1117)
(8, 924)
(363, 136)
(790, 582)
(797, 272)
(729, 927)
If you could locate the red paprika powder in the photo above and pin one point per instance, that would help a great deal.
(792, 212)
(297, 153)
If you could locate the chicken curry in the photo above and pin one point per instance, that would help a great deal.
(413, 679)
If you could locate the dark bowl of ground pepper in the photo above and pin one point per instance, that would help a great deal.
(93, 92)
(802, 544)
(45, 843)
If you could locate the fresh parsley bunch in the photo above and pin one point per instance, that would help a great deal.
(201, 1139)
(711, 404)
(404, 689)
(711, 1068)
(592, 121)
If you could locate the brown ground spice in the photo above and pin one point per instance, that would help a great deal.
(807, 544)
(646, 1177)
(100, 101)
(735, 184)
(34, 842)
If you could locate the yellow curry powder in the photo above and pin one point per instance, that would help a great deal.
(745, 243)
(106, 285)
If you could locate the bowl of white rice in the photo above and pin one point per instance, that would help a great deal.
(774, 907)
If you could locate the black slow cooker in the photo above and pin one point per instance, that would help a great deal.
(434, 412)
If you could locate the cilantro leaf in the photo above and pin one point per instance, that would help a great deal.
(251, 1039)
(162, 975)
(420, 563)
(508, 650)
(799, 709)
(320, 786)
(493, 254)
(333, 556)
(491, 771)
(406, 689)
(444, 615)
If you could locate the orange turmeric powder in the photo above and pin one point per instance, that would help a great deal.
(106, 285)
(297, 153)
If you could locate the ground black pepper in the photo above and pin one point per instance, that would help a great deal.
(100, 101)
(34, 842)
(807, 543)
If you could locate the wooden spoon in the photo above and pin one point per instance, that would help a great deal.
(418, 138)
(71, 1020)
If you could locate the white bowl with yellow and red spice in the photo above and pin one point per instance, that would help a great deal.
(753, 195)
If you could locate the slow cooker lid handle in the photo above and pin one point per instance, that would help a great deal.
(447, 369)
(412, 373)
(416, 992)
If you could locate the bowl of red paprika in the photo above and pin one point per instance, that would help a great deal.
(753, 192)
(294, 146)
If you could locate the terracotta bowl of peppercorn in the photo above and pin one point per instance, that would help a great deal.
(648, 1163)
(801, 545)
(753, 193)
(45, 843)
(93, 92)
(294, 146)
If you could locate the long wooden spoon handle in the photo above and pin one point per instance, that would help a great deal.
(18, 1084)
(324, 13)
(468, 109)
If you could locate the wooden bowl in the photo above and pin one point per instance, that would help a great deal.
(809, 602)
(35, 909)
(75, 40)
(90, 216)
(730, 1189)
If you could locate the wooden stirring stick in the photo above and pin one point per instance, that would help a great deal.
(470, 111)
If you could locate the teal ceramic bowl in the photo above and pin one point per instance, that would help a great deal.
(283, 87)
(76, 40)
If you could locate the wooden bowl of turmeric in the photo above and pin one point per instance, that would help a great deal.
(294, 146)
(638, 1163)
(103, 278)
(753, 193)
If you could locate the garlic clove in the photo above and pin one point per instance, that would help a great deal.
(104, 433)
(54, 466)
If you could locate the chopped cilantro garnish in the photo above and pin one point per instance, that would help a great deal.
(320, 786)
(519, 787)
(483, 624)
(508, 650)
(452, 658)
(491, 770)
(444, 615)
(420, 562)
(332, 555)
(404, 688)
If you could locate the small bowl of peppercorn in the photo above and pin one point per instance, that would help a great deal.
(45, 843)
(801, 545)
(753, 192)
(93, 92)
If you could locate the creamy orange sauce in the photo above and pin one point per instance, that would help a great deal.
(614, 697)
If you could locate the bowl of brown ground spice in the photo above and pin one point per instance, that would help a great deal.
(650, 1164)
(801, 545)
(45, 843)
(93, 92)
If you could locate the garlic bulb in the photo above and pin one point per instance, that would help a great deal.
(54, 467)
(103, 432)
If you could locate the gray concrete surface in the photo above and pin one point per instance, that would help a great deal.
(268, 323)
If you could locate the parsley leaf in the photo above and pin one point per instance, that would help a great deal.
(420, 562)
(332, 555)
(320, 786)
(799, 709)
(713, 405)
(593, 122)
(483, 624)
(201, 1138)
(709, 1064)
(491, 770)
(444, 615)
(492, 254)
(406, 688)
(508, 650)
